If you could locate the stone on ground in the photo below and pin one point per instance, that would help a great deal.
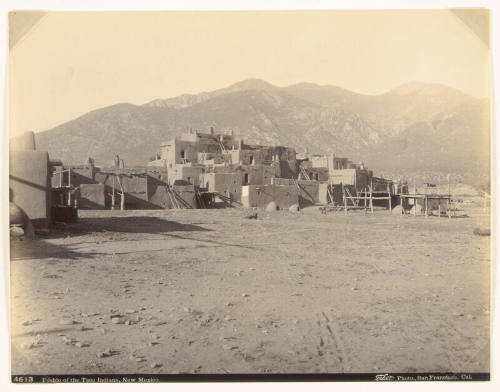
(272, 206)
(397, 210)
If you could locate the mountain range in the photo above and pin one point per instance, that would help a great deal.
(414, 128)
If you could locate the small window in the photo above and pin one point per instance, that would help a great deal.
(251, 159)
(245, 179)
(183, 154)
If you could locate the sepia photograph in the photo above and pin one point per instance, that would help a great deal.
(243, 195)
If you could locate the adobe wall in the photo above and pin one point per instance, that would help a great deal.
(318, 173)
(335, 191)
(343, 176)
(211, 158)
(234, 156)
(172, 151)
(179, 197)
(381, 185)
(191, 174)
(288, 169)
(323, 197)
(260, 174)
(308, 194)
(250, 157)
(261, 195)
(159, 173)
(161, 198)
(319, 161)
(138, 189)
(92, 197)
(24, 142)
(82, 174)
(363, 178)
(210, 144)
(136, 186)
(265, 155)
(29, 182)
(225, 184)
(336, 163)
(188, 149)
(185, 195)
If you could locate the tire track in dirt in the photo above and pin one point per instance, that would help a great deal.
(337, 342)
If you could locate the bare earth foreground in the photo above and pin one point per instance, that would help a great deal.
(208, 291)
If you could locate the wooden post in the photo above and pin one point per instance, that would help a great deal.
(170, 197)
(344, 198)
(371, 197)
(449, 208)
(122, 194)
(426, 204)
(415, 207)
(390, 201)
(329, 194)
(113, 195)
(439, 208)
(401, 203)
(61, 174)
(364, 195)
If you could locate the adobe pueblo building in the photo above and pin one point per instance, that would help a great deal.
(207, 169)
(223, 165)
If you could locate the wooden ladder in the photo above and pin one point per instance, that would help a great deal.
(304, 173)
(173, 199)
(355, 202)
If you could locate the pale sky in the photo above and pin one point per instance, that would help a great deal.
(71, 63)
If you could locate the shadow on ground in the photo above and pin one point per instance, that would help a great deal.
(121, 224)
(40, 249)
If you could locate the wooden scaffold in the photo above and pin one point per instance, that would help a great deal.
(425, 198)
(66, 190)
(425, 202)
(367, 195)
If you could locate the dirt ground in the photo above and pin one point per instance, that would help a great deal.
(208, 291)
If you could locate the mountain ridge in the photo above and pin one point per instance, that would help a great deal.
(322, 119)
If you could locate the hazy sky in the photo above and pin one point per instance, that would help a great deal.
(71, 63)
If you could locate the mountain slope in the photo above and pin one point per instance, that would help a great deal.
(414, 127)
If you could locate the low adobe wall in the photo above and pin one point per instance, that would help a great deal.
(181, 196)
(261, 195)
(325, 197)
(308, 191)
